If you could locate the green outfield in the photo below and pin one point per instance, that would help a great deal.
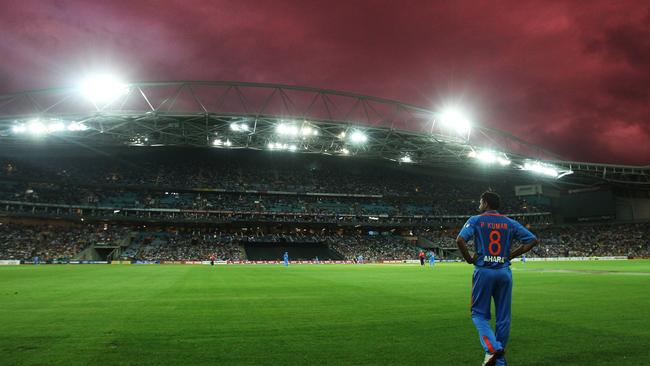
(595, 313)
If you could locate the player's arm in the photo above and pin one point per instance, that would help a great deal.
(525, 236)
(523, 249)
(462, 246)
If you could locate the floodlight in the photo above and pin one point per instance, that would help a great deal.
(227, 143)
(239, 127)
(503, 161)
(541, 168)
(345, 151)
(103, 89)
(217, 142)
(490, 157)
(286, 129)
(293, 148)
(74, 126)
(19, 129)
(456, 120)
(405, 159)
(36, 127)
(55, 127)
(358, 137)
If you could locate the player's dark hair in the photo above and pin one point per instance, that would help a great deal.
(492, 199)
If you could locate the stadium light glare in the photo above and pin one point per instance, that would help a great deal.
(455, 120)
(541, 168)
(55, 127)
(358, 137)
(227, 143)
(75, 126)
(490, 157)
(19, 129)
(287, 129)
(345, 151)
(406, 159)
(281, 146)
(36, 127)
(103, 89)
(217, 142)
(503, 161)
(239, 127)
(307, 131)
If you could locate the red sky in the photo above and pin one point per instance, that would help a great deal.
(573, 76)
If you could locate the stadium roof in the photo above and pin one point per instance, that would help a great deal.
(241, 115)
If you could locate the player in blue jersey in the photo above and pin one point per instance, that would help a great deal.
(432, 258)
(493, 235)
(286, 259)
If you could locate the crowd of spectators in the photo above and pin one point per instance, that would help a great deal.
(50, 242)
(148, 181)
(191, 245)
(632, 240)
(372, 247)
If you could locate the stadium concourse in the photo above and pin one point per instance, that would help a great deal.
(191, 204)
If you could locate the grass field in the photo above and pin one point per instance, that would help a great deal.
(563, 314)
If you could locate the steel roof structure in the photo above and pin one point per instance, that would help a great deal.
(241, 115)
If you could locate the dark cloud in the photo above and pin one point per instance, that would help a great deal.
(570, 77)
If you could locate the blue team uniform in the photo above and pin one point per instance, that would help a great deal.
(286, 259)
(432, 259)
(493, 235)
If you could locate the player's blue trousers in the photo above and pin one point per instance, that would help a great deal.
(488, 284)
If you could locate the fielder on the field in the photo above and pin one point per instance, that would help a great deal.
(493, 235)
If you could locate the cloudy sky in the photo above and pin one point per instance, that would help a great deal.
(573, 77)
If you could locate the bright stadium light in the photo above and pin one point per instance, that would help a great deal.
(227, 143)
(455, 120)
(358, 137)
(103, 89)
(406, 159)
(287, 129)
(345, 151)
(55, 127)
(19, 129)
(239, 127)
(75, 126)
(217, 142)
(490, 157)
(537, 167)
(545, 169)
(280, 146)
(36, 127)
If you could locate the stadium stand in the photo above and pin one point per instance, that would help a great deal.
(201, 203)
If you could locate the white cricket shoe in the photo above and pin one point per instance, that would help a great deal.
(491, 358)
